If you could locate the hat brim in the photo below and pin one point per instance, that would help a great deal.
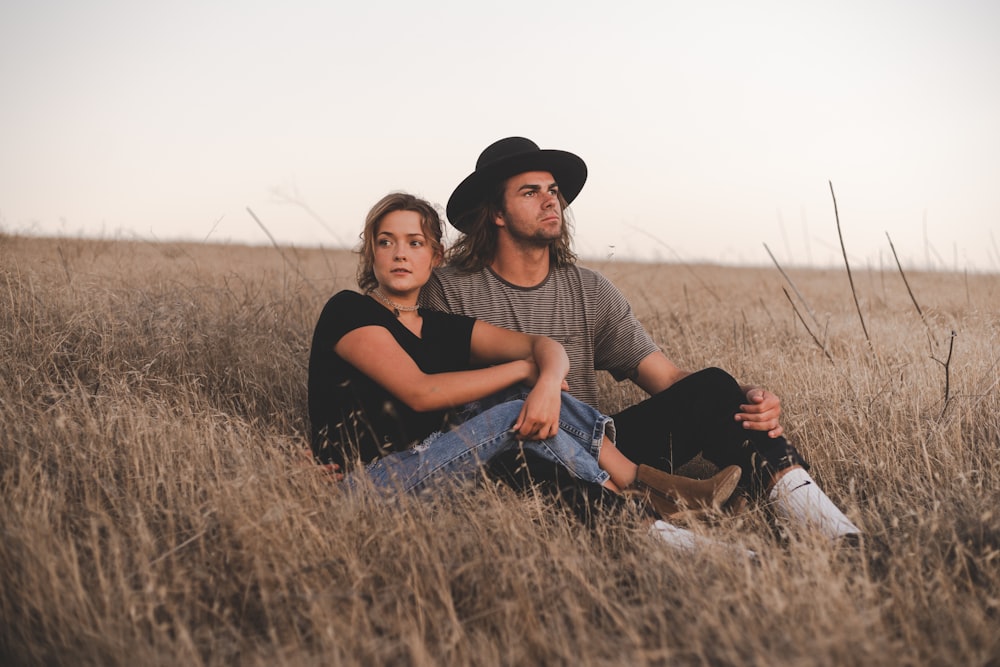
(569, 171)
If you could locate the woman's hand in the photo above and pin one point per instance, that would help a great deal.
(539, 417)
(332, 470)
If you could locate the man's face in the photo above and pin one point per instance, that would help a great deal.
(531, 208)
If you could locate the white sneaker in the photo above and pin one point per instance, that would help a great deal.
(798, 499)
(683, 539)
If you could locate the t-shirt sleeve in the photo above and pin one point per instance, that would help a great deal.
(343, 313)
(620, 341)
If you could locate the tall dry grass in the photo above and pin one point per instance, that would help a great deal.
(156, 508)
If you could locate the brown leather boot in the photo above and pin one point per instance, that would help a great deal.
(676, 496)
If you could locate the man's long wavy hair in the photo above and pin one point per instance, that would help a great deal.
(475, 248)
(430, 225)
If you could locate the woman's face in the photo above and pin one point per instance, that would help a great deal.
(404, 257)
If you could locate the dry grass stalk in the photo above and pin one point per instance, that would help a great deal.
(808, 330)
(847, 265)
(795, 289)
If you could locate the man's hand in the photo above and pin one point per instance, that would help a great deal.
(761, 412)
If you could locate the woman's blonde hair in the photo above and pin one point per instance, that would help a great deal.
(430, 225)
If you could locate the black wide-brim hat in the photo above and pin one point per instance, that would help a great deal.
(506, 158)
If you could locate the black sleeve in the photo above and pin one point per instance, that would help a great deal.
(345, 312)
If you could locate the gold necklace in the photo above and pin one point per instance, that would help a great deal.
(396, 307)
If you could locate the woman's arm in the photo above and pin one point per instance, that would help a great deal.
(374, 352)
(539, 418)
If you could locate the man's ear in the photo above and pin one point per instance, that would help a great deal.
(499, 221)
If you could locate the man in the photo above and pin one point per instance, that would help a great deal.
(513, 267)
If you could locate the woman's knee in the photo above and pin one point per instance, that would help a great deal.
(505, 409)
(495, 419)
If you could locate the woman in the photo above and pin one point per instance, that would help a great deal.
(385, 378)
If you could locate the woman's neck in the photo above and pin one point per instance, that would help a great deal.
(407, 314)
(393, 303)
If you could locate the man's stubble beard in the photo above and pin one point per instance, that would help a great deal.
(540, 238)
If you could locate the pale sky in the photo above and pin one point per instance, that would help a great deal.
(709, 128)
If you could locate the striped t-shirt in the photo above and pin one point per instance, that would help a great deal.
(576, 306)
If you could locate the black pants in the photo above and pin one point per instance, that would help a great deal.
(696, 416)
(693, 416)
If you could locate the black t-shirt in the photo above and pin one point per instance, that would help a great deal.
(353, 417)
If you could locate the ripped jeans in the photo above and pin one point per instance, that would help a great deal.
(481, 431)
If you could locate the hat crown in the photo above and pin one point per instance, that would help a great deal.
(503, 149)
(503, 159)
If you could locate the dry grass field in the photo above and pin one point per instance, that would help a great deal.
(157, 509)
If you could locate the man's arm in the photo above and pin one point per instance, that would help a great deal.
(760, 413)
(655, 373)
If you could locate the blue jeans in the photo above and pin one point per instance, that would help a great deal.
(483, 432)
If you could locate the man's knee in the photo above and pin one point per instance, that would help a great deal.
(715, 381)
(710, 389)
